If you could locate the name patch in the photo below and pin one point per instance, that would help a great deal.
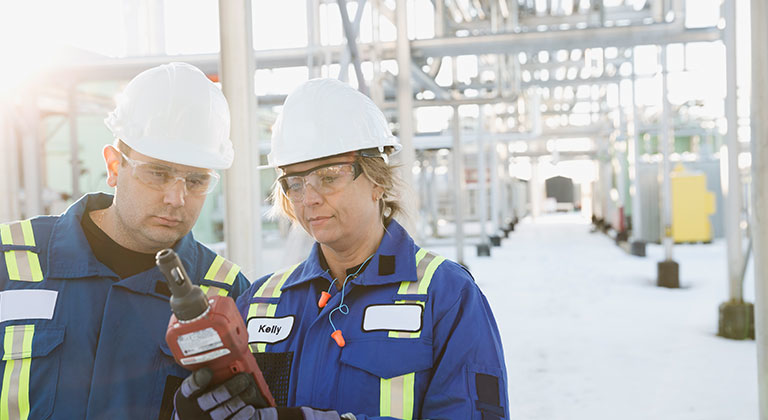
(403, 317)
(27, 304)
(269, 330)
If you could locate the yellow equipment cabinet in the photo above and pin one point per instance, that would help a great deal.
(692, 205)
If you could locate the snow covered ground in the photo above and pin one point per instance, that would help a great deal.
(588, 335)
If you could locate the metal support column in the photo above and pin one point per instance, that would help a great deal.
(483, 248)
(242, 224)
(458, 185)
(668, 271)
(495, 202)
(637, 246)
(74, 147)
(760, 193)
(32, 157)
(736, 319)
(9, 154)
(432, 194)
(313, 35)
(407, 155)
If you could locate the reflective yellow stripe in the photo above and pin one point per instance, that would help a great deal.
(403, 290)
(211, 291)
(385, 397)
(22, 265)
(29, 236)
(406, 334)
(17, 351)
(426, 264)
(396, 397)
(427, 279)
(269, 289)
(221, 271)
(10, 256)
(214, 268)
(230, 278)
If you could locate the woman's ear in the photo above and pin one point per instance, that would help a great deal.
(112, 161)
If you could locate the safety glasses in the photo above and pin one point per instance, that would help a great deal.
(324, 179)
(161, 177)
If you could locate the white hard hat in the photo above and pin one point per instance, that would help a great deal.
(173, 112)
(325, 117)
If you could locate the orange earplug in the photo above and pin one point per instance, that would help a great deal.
(324, 296)
(338, 338)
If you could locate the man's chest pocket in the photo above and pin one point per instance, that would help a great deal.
(30, 370)
(390, 374)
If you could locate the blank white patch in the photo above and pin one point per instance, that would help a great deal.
(27, 304)
(405, 317)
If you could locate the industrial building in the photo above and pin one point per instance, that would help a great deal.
(600, 166)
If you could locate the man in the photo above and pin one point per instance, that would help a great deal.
(83, 309)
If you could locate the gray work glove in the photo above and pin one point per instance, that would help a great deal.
(297, 413)
(236, 399)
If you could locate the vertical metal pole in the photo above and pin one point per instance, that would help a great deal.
(377, 90)
(494, 165)
(535, 188)
(482, 185)
(242, 191)
(732, 196)
(32, 156)
(637, 217)
(407, 155)
(760, 193)
(74, 147)
(433, 200)
(9, 182)
(313, 35)
(666, 168)
(458, 185)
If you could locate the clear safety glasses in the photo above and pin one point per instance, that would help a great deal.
(162, 178)
(324, 179)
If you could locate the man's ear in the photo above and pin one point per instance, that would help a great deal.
(112, 160)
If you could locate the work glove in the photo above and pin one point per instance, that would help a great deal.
(236, 399)
(298, 413)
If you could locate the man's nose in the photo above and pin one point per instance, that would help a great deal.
(175, 194)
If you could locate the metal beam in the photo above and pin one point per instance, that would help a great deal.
(350, 32)
(501, 43)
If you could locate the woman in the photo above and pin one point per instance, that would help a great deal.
(369, 324)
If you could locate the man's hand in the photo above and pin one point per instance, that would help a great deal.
(296, 413)
(236, 399)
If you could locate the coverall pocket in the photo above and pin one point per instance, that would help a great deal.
(30, 370)
(385, 374)
(169, 378)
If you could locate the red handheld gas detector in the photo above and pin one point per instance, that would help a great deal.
(207, 331)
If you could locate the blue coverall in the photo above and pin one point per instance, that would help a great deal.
(79, 342)
(439, 356)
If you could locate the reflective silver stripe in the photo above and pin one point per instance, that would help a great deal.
(17, 348)
(413, 288)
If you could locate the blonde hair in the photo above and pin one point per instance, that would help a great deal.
(375, 169)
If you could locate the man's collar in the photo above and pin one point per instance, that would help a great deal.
(70, 255)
